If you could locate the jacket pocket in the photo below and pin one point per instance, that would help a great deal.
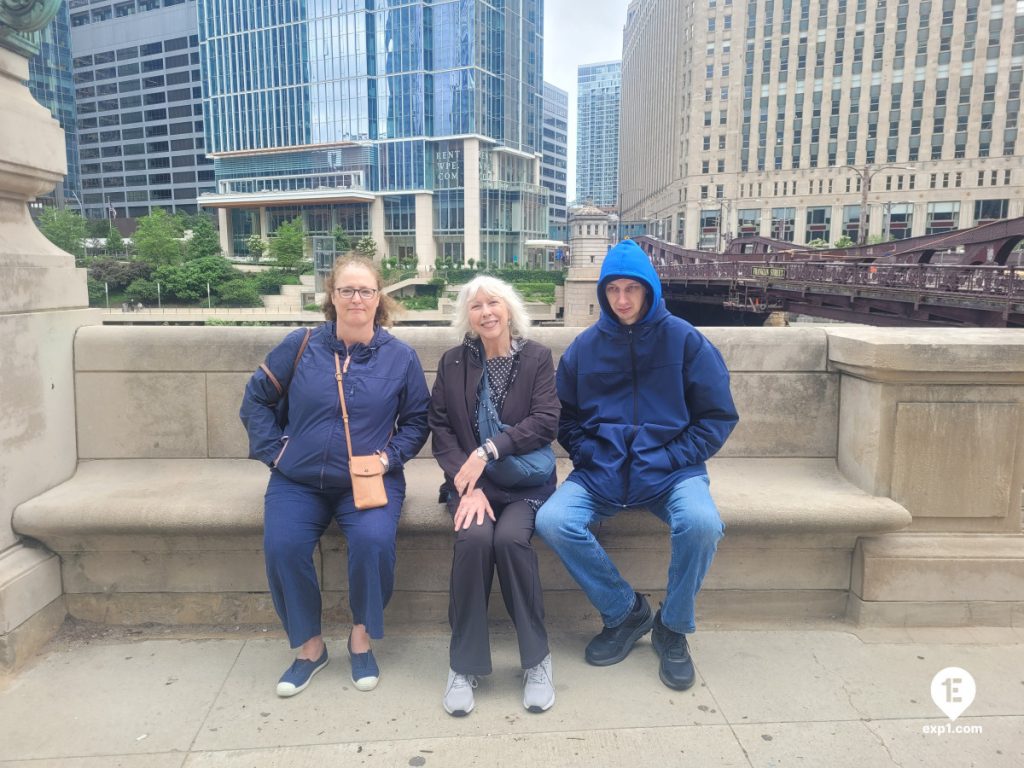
(280, 454)
(585, 454)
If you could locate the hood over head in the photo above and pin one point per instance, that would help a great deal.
(628, 260)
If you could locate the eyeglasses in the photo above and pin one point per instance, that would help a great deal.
(364, 293)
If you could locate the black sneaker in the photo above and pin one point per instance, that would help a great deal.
(676, 668)
(613, 644)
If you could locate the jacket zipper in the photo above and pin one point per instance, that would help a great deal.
(330, 439)
(636, 415)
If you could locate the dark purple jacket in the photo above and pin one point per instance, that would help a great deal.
(531, 409)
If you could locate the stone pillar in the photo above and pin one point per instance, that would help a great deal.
(264, 223)
(224, 231)
(43, 301)
(934, 419)
(471, 194)
(377, 227)
(426, 250)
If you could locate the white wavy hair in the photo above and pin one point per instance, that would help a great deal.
(492, 286)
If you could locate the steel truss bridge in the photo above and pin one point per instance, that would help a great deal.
(968, 277)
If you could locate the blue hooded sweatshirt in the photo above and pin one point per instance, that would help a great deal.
(643, 405)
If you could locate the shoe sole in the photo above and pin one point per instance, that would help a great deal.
(640, 631)
(287, 693)
(459, 712)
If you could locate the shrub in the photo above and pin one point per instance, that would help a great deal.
(118, 274)
(238, 292)
(142, 290)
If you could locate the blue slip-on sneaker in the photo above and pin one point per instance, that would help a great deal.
(297, 676)
(365, 672)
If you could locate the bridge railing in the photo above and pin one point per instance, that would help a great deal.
(978, 280)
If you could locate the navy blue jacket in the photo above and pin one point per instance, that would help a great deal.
(643, 406)
(385, 392)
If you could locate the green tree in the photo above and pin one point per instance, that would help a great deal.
(182, 221)
(65, 229)
(257, 246)
(204, 241)
(98, 227)
(844, 242)
(342, 241)
(818, 243)
(187, 282)
(142, 290)
(288, 246)
(115, 243)
(367, 247)
(156, 239)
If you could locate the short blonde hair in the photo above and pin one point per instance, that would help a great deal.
(386, 306)
(519, 320)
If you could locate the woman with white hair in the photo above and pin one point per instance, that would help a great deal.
(493, 415)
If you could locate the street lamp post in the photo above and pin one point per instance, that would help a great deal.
(866, 173)
(887, 207)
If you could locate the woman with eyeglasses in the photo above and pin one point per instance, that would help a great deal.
(293, 414)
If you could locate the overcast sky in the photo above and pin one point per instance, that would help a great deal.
(579, 32)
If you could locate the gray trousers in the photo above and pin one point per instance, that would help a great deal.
(505, 544)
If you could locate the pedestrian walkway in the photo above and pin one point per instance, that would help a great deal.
(825, 695)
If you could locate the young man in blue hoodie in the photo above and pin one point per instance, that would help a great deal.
(645, 402)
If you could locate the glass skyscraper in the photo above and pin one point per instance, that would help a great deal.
(140, 111)
(417, 123)
(599, 92)
(51, 82)
(555, 159)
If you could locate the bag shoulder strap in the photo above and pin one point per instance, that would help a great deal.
(341, 396)
(295, 364)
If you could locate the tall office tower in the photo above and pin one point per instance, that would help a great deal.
(50, 81)
(416, 123)
(597, 133)
(800, 119)
(554, 163)
(140, 112)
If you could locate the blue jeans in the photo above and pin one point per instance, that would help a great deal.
(695, 530)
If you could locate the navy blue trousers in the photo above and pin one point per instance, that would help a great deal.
(295, 517)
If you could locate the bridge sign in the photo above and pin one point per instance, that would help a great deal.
(768, 271)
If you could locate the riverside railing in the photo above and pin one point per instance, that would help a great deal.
(979, 281)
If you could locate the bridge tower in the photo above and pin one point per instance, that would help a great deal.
(589, 240)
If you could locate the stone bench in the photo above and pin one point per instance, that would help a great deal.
(162, 520)
(181, 539)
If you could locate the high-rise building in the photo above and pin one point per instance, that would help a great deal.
(597, 133)
(50, 81)
(140, 113)
(554, 163)
(815, 120)
(418, 124)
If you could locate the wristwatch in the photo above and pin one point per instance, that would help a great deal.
(481, 454)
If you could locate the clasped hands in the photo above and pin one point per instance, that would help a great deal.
(473, 504)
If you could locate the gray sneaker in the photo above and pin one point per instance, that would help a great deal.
(458, 694)
(539, 687)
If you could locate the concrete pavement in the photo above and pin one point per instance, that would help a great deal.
(821, 694)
